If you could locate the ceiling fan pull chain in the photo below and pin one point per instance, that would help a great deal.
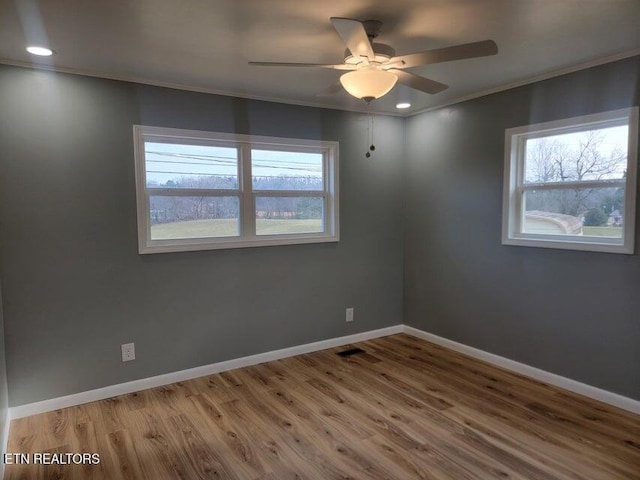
(367, 140)
(371, 146)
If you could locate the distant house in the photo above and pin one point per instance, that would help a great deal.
(270, 214)
(537, 221)
(616, 219)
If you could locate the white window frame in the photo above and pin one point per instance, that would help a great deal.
(247, 232)
(515, 187)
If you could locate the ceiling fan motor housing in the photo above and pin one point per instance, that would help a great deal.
(383, 53)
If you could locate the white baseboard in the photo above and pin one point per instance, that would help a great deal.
(599, 394)
(183, 375)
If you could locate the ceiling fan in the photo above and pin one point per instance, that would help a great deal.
(373, 68)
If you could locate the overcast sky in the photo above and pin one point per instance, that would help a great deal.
(166, 161)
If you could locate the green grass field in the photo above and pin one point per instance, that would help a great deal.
(229, 228)
(603, 231)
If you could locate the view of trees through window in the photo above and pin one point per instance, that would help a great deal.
(177, 172)
(595, 163)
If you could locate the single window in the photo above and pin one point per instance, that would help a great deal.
(203, 190)
(571, 184)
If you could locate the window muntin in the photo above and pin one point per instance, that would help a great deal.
(571, 184)
(203, 190)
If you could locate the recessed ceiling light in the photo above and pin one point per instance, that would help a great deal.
(40, 51)
(403, 105)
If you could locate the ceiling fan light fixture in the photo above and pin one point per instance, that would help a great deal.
(368, 83)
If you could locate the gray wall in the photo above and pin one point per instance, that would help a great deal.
(75, 287)
(571, 313)
(4, 399)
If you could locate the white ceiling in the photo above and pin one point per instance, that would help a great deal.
(206, 44)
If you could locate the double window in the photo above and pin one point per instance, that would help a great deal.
(203, 190)
(571, 184)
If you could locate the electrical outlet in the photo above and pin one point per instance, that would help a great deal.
(128, 352)
(349, 314)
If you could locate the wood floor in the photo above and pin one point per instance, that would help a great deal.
(405, 409)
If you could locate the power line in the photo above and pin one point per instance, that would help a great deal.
(234, 160)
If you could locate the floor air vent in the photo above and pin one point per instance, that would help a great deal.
(351, 351)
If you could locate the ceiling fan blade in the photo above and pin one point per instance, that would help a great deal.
(447, 54)
(354, 36)
(332, 90)
(341, 66)
(419, 83)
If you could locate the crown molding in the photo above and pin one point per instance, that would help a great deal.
(229, 93)
(185, 87)
(534, 79)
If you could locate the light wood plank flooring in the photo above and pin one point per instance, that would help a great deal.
(405, 409)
